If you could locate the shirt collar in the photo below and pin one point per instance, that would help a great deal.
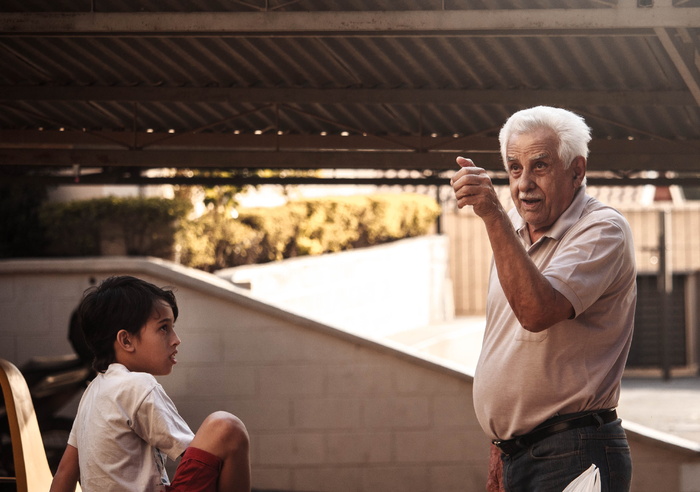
(562, 224)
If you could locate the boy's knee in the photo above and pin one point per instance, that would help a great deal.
(229, 430)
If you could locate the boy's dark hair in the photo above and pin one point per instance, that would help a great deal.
(118, 303)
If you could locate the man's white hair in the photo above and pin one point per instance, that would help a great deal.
(571, 129)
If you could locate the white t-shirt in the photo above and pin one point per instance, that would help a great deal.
(125, 429)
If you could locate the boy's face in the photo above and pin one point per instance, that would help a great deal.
(156, 344)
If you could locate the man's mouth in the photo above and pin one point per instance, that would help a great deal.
(530, 200)
(172, 358)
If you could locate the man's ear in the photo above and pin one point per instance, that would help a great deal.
(579, 167)
(124, 340)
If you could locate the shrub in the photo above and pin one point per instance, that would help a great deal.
(305, 227)
(213, 242)
(156, 227)
(138, 226)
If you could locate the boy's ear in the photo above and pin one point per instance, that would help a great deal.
(124, 340)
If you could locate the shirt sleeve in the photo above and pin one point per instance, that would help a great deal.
(588, 260)
(158, 422)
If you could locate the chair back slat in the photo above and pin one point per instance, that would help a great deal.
(31, 466)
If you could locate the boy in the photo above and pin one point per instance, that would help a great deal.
(126, 425)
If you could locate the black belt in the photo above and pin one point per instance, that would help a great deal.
(513, 446)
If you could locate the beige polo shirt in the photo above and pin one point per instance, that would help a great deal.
(524, 378)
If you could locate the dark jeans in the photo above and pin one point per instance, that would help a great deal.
(551, 464)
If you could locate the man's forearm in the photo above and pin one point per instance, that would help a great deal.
(534, 301)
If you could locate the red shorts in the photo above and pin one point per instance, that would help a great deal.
(198, 471)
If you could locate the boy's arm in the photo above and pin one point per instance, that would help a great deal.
(68, 472)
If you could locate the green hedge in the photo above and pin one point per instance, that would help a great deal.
(141, 226)
(157, 227)
(304, 227)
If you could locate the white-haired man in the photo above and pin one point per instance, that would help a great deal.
(560, 310)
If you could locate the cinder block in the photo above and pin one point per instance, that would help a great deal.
(364, 378)
(27, 317)
(360, 447)
(291, 449)
(326, 413)
(690, 477)
(221, 381)
(195, 410)
(396, 413)
(7, 288)
(270, 478)
(431, 446)
(454, 410)
(204, 313)
(260, 415)
(284, 344)
(334, 479)
(200, 347)
(459, 477)
(287, 380)
(424, 381)
(413, 478)
(28, 347)
(59, 320)
(256, 345)
(8, 348)
(175, 383)
(655, 477)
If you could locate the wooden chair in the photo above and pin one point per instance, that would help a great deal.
(31, 466)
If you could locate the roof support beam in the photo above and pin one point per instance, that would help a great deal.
(241, 159)
(268, 142)
(353, 96)
(111, 178)
(623, 16)
(683, 57)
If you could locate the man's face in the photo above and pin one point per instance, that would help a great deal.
(540, 186)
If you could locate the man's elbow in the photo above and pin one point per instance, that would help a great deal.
(535, 326)
(539, 322)
(538, 317)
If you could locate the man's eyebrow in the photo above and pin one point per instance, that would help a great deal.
(543, 155)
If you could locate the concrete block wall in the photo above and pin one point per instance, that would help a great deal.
(662, 462)
(327, 410)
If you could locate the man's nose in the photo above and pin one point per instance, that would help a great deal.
(526, 181)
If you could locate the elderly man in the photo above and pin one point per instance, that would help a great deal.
(560, 311)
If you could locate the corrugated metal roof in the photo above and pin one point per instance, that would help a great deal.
(632, 83)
